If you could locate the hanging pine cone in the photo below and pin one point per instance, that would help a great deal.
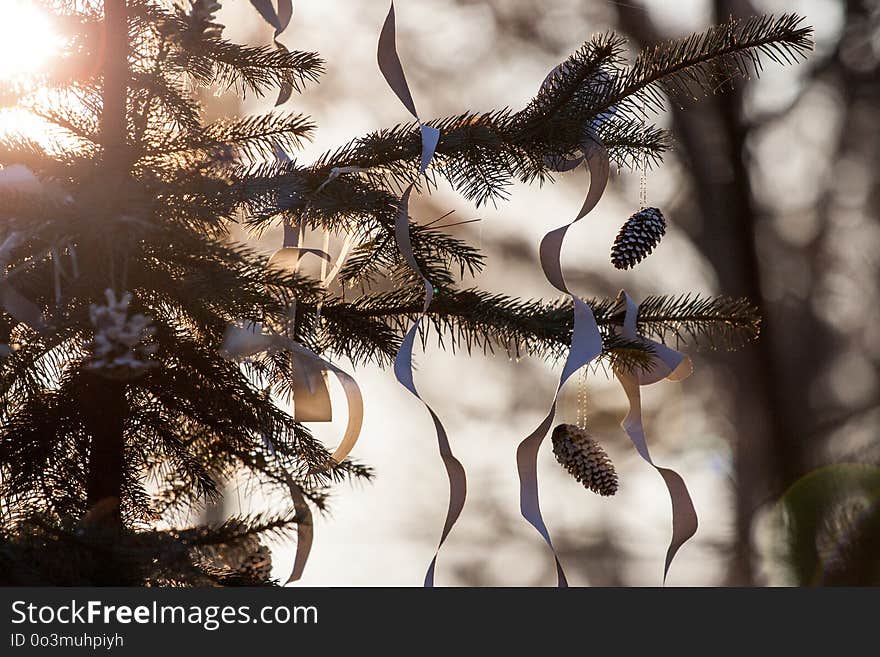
(256, 567)
(248, 563)
(201, 18)
(584, 459)
(638, 237)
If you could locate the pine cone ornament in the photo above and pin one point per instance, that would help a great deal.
(121, 348)
(638, 237)
(244, 563)
(201, 18)
(257, 567)
(584, 459)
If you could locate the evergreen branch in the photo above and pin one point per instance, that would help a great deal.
(593, 92)
(174, 106)
(215, 61)
(633, 143)
(355, 205)
(716, 321)
(238, 529)
(211, 60)
(706, 61)
(580, 74)
(478, 319)
(255, 137)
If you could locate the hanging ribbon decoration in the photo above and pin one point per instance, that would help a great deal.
(668, 364)
(309, 391)
(311, 395)
(305, 529)
(309, 388)
(280, 20)
(241, 342)
(390, 66)
(22, 309)
(586, 345)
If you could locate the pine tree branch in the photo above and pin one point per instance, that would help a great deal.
(255, 69)
(481, 153)
(255, 137)
(708, 60)
(474, 319)
(238, 529)
(716, 321)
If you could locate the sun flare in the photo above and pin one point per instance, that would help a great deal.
(27, 39)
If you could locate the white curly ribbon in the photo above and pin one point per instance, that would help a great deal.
(279, 19)
(666, 363)
(389, 64)
(245, 342)
(586, 345)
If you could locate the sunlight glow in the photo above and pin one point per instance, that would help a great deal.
(20, 122)
(27, 39)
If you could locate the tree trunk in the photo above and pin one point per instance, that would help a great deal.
(113, 117)
(102, 400)
(104, 409)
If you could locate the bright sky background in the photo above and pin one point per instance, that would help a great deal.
(27, 39)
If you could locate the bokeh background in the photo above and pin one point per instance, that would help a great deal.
(771, 192)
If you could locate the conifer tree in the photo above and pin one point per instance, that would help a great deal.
(121, 413)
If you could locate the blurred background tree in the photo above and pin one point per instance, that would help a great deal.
(774, 230)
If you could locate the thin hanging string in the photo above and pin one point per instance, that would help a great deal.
(581, 420)
(324, 283)
(643, 182)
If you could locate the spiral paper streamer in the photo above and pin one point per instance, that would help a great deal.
(240, 342)
(668, 364)
(586, 345)
(389, 64)
(279, 19)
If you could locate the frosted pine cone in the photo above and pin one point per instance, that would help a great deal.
(120, 348)
(584, 459)
(638, 237)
